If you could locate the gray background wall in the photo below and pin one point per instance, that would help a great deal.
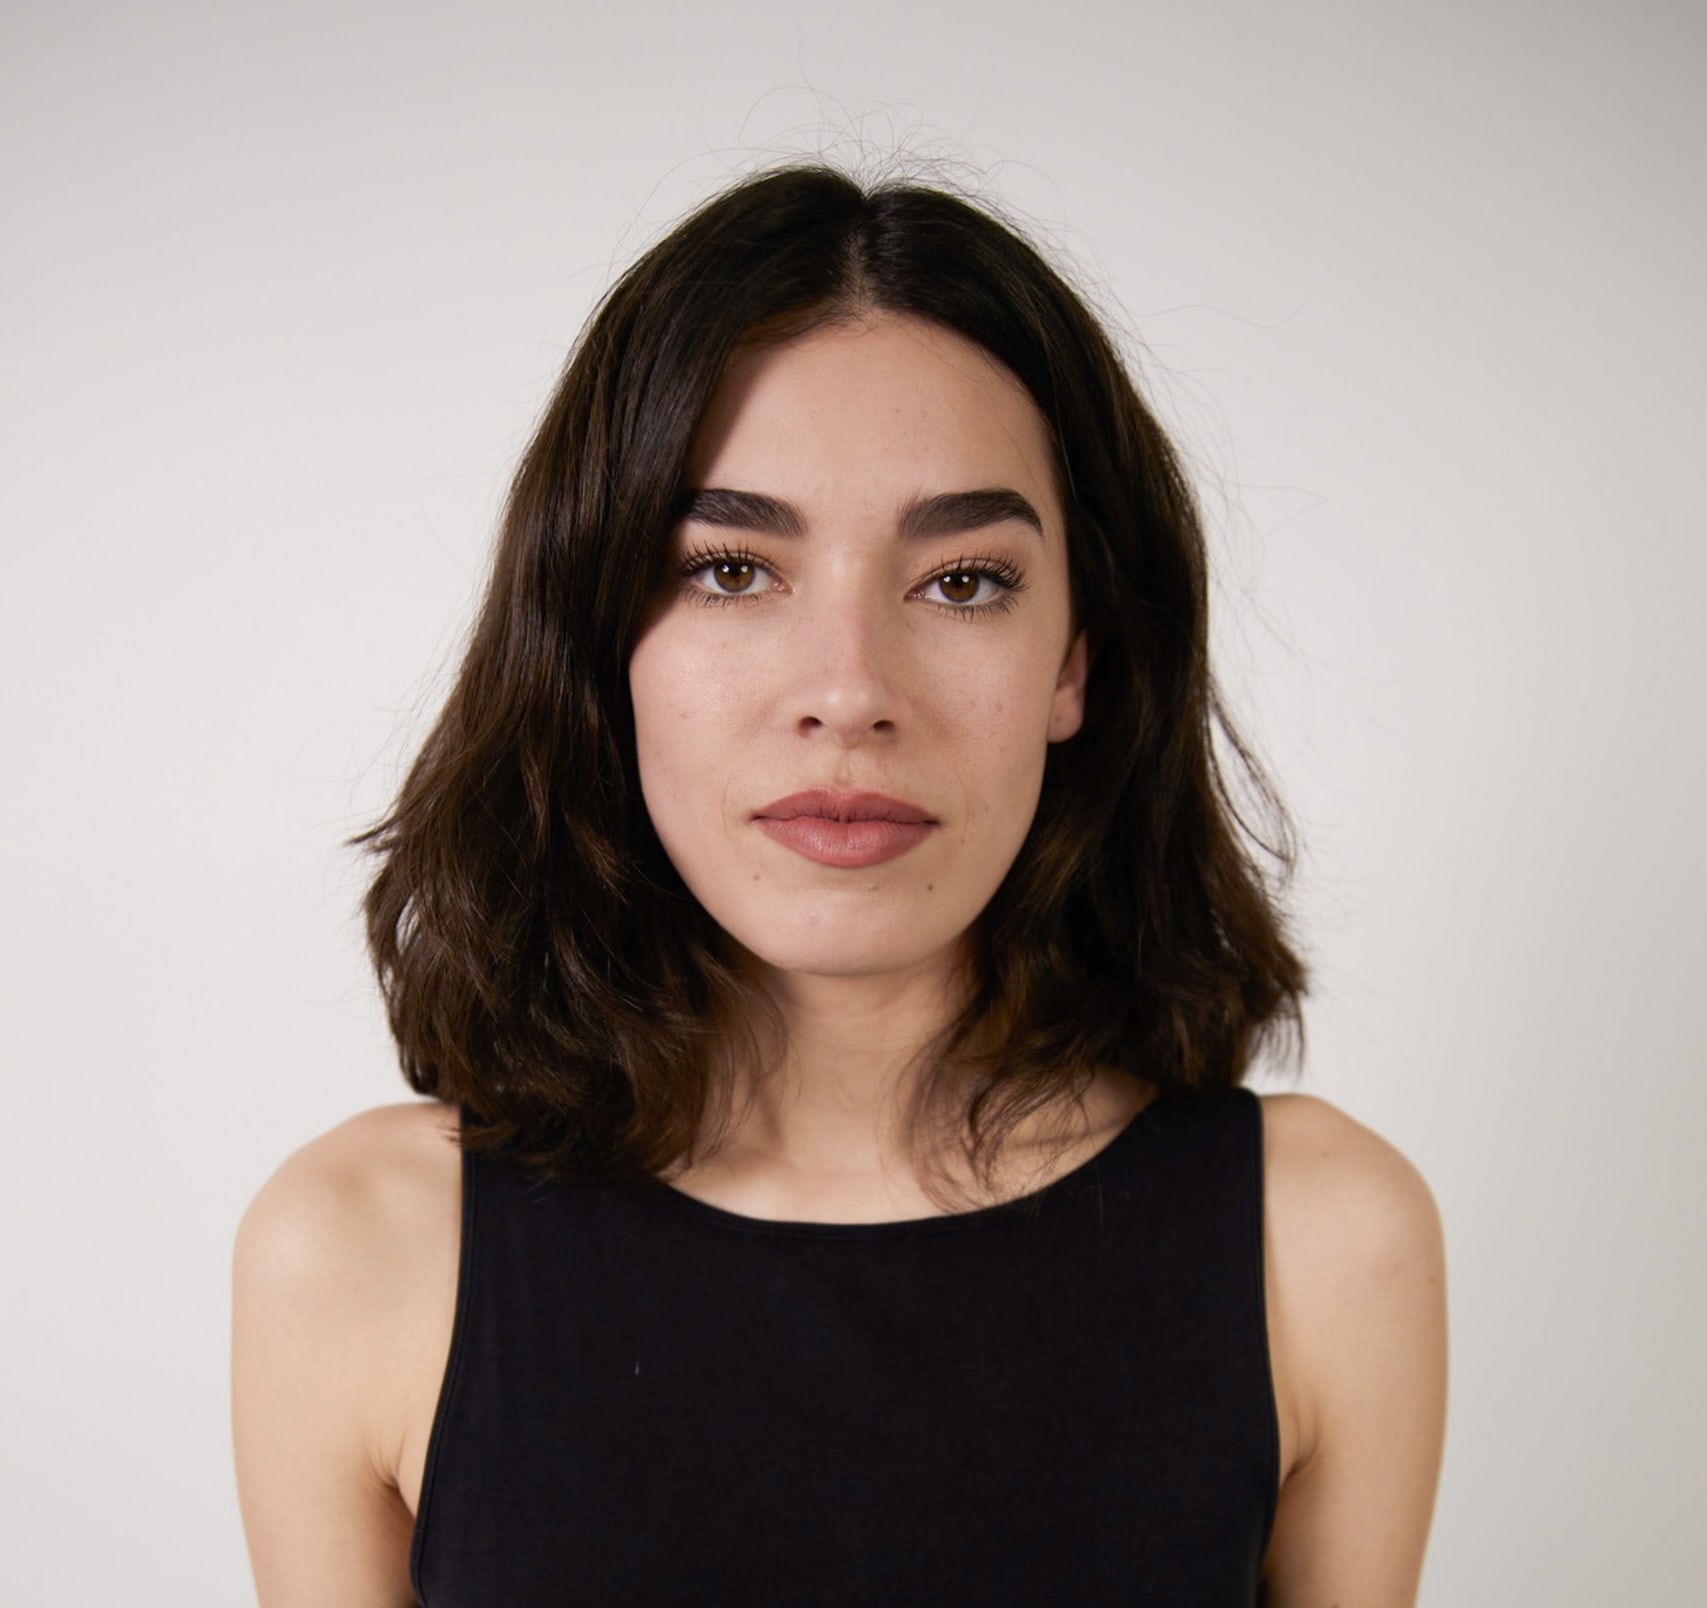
(1420, 290)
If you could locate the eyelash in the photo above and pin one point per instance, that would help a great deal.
(984, 566)
(702, 558)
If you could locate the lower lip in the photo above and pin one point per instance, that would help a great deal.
(847, 844)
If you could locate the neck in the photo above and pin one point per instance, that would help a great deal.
(836, 1092)
(821, 1130)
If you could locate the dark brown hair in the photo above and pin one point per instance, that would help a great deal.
(542, 963)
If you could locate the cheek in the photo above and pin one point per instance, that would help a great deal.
(687, 713)
(1002, 743)
(662, 720)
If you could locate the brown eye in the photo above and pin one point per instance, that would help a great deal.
(725, 577)
(959, 586)
(733, 575)
(974, 587)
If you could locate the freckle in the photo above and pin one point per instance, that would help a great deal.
(930, 887)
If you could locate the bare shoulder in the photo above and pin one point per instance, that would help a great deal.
(343, 1290)
(1354, 1245)
(1335, 1190)
(350, 1194)
(350, 1248)
(1357, 1332)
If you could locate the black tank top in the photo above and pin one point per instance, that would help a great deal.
(1059, 1402)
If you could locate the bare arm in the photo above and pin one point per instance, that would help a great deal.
(1358, 1333)
(343, 1281)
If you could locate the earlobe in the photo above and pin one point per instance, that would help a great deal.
(1068, 711)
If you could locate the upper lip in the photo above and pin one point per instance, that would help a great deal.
(830, 805)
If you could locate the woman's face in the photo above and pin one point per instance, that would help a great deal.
(867, 617)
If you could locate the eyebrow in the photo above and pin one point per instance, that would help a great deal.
(948, 513)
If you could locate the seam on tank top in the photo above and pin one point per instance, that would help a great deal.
(1271, 1419)
(452, 1376)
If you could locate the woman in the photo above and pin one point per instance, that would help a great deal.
(820, 916)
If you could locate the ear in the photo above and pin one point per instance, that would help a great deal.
(1067, 713)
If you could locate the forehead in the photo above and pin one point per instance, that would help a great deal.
(888, 395)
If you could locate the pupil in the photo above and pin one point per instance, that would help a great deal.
(959, 587)
(734, 577)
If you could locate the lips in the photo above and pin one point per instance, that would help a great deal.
(847, 831)
(826, 804)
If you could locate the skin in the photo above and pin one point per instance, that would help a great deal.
(847, 668)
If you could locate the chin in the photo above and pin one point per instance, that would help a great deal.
(828, 947)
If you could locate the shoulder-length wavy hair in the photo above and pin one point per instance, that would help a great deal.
(542, 963)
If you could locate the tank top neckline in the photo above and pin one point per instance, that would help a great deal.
(1142, 1122)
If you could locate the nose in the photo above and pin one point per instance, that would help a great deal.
(845, 678)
